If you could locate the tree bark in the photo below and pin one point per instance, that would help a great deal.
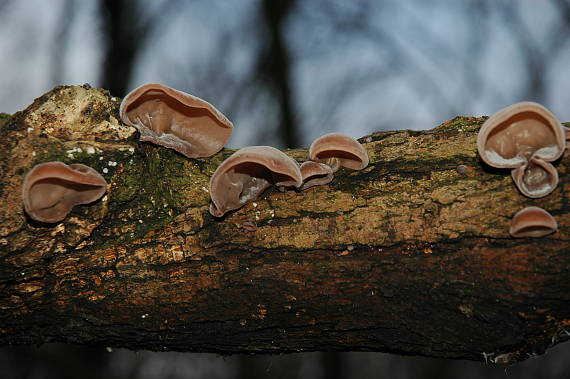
(408, 256)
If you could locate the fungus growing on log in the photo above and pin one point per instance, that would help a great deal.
(177, 120)
(50, 190)
(524, 137)
(315, 174)
(247, 173)
(532, 222)
(336, 149)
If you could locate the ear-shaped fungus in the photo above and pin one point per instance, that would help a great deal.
(532, 222)
(177, 120)
(315, 174)
(247, 173)
(51, 189)
(524, 137)
(336, 149)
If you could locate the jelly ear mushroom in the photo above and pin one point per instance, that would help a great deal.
(524, 137)
(336, 149)
(247, 173)
(177, 120)
(532, 222)
(536, 178)
(315, 174)
(50, 190)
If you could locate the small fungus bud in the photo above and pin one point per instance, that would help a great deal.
(315, 174)
(337, 150)
(462, 169)
(532, 222)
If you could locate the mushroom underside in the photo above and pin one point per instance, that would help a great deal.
(316, 174)
(336, 158)
(175, 124)
(532, 222)
(245, 182)
(177, 120)
(534, 231)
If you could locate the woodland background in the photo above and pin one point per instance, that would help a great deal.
(286, 72)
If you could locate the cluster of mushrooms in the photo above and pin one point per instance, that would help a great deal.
(196, 129)
(525, 138)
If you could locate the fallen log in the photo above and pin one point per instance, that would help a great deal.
(411, 255)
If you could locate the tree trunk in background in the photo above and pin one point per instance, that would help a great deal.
(123, 37)
(275, 66)
(408, 256)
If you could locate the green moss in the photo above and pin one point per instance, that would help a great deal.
(128, 184)
(461, 124)
(151, 190)
(4, 118)
(176, 174)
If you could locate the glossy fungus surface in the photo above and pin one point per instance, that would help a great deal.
(524, 137)
(247, 173)
(50, 190)
(177, 120)
(532, 222)
(315, 174)
(336, 149)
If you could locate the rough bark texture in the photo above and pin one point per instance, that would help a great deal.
(408, 256)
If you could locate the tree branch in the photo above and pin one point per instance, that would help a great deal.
(407, 256)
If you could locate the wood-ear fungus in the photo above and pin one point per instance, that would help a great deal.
(50, 190)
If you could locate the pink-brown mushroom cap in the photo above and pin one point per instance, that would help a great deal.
(336, 149)
(536, 178)
(315, 174)
(515, 133)
(524, 137)
(50, 190)
(247, 173)
(532, 222)
(177, 120)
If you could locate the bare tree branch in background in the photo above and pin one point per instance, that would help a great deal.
(560, 31)
(125, 35)
(127, 30)
(536, 54)
(261, 92)
(274, 66)
(4, 4)
(362, 26)
(442, 54)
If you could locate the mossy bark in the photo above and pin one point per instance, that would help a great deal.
(410, 255)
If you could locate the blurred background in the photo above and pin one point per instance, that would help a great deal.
(286, 72)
